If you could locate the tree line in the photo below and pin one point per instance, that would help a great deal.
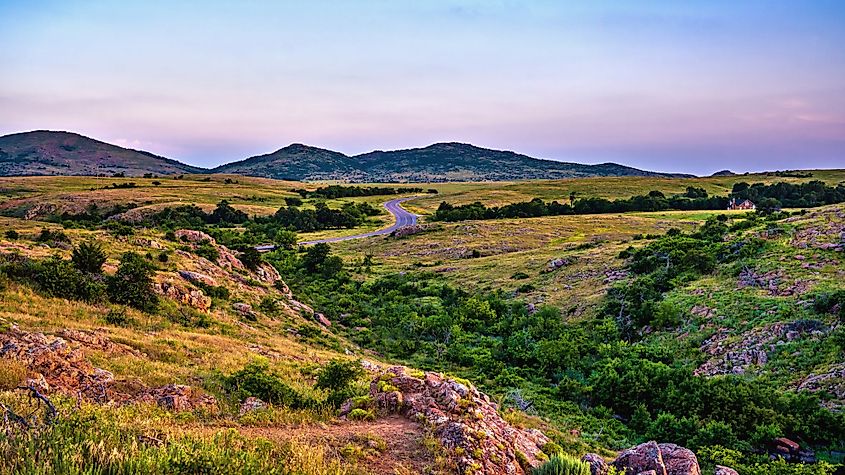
(766, 197)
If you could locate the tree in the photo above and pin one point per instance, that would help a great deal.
(285, 239)
(251, 258)
(89, 257)
(315, 256)
(132, 284)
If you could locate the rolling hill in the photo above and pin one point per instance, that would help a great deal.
(435, 163)
(65, 153)
(45, 152)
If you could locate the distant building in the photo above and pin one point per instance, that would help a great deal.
(745, 204)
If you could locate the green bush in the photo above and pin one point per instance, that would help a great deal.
(561, 464)
(256, 380)
(132, 284)
(89, 257)
(362, 415)
(12, 235)
(337, 375)
(207, 250)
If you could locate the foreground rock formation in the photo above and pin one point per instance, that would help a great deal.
(57, 364)
(464, 420)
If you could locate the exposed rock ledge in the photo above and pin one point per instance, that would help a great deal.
(464, 420)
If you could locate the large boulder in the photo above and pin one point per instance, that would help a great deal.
(640, 459)
(663, 459)
(597, 464)
(679, 460)
(464, 420)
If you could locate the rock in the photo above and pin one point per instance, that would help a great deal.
(720, 470)
(641, 458)
(38, 382)
(556, 264)
(179, 397)
(679, 460)
(661, 459)
(407, 231)
(251, 404)
(460, 417)
(243, 308)
(228, 260)
(148, 243)
(196, 277)
(322, 319)
(191, 297)
(268, 274)
(597, 464)
(189, 235)
(59, 366)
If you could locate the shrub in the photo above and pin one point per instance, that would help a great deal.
(12, 374)
(293, 201)
(207, 250)
(362, 415)
(337, 375)
(52, 236)
(89, 257)
(831, 302)
(132, 284)
(256, 380)
(117, 316)
(12, 235)
(561, 464)
(59, 278)
(251, 258)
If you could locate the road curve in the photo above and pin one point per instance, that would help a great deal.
(402, 219)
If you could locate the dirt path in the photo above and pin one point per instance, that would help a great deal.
(404, 451)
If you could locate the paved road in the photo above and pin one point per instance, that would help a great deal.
(403, 218)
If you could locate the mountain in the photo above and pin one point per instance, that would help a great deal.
(437, 162)
(64, 153)
(46, 152)
(298, 162)
(724, 173)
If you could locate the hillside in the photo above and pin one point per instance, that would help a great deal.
(63, 153)
(521, 338)
(435, 163)
(298, 162)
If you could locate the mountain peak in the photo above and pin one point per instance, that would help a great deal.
(47, 152)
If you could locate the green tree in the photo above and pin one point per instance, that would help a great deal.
(132, 284)
(89, 257)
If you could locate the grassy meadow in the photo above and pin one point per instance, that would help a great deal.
(465, 271)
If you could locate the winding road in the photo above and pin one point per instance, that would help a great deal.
(402, 218)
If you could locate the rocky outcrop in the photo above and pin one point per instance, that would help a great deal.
(179, 397)
(197, 278)
(556, 264)
(184, 295)
(831, 381)
(57, 364)
(464, 420)
(662, 459)
(189, 235)
(750, 350)
(597, 464)
(791, 451)
(251, 404)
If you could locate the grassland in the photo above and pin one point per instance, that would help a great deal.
(512, 256)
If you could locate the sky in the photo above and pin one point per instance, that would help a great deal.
(683, 86)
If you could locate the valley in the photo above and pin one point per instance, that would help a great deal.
(589, 333)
